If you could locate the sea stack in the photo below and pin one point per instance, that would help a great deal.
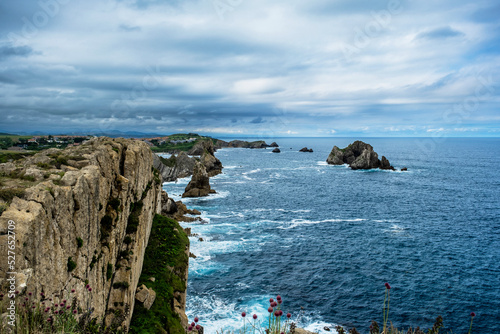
(276, 150)
(199, 185)
(358, 155)
(305, 149)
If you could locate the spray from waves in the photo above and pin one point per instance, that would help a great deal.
(220, 314)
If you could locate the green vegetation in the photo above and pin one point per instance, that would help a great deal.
(71, 264)
(106, 226)
(120, 285)
(127, 240)
(109, 271)
(6, 156)
(79, 242)
(3, 207)
(166, 260)
(178, 142)
(8, 194)
(170, 162)
(114, 203)
(133, 218)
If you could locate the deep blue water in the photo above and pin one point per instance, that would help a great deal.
(327, 238)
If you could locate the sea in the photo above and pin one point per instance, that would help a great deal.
(326, 238)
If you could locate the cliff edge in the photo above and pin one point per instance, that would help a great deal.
(83, 218)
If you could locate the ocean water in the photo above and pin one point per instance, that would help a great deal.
(327, 238)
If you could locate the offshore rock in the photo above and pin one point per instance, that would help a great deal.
(276, 150)
(358, 155)
(71, 227)
(199, 185)
(305, 149)
(274, 144)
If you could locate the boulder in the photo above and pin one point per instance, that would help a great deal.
(274, 144)
(145, 296)
(276, 150)
(404, 169)
(199, 185)
(358, 155)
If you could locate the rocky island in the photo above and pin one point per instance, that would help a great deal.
(358, 155)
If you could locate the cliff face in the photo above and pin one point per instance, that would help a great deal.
(85, 218)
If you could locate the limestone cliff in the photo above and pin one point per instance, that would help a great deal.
(83, 216)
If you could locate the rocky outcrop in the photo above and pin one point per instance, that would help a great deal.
(200, 183)
(145, 296)
(358, 155)
(274, 144)
(182, 165)
(276, 150)
(241, 144)
(174, 167)
(305, 149)
(87, 222)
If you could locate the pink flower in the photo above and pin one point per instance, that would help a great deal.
(288, 315)
(472, 314)
(271, 300)
(29, 293)
(196, 319)
(243, 314)
(75, 311)
(270, 309)
(387, 286)
(276, 313)
(198, 327)
(68, 307)
(90, 289)
(190, 328)
(278, 297)
(255, 316)
(281, 313)
(193, 324)
(87, 286)
(72, 290)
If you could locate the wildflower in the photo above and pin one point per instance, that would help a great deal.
(280, 301)
(17, 292)
(68, 307)
(46, 310)
(276, 313)
(26, 298)
(90, 289)
(1, 295)
(243, 314)
(198, 327)
(387, 286)
(196, 319)
(33, 306)
(271, 300)
(64, 301)
(190, 328)
(75, 311)
(49, 320)
(288, 315)
(255, 316)
(29, 293)
(278, 297)
(281, 313)
(472, 314)
(56, 312)
(42, 294)
(87, 286)
(193, 324)
(270, 309)
(72, 290)
(62, 304)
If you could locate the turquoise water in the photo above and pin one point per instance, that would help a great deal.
(327, 238)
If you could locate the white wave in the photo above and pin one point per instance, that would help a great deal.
(318, 327)
(322, 163)
(253, 171)
(298, 222)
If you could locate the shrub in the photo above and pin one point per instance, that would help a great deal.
(114, 203)
(127, 240)
(120, 285)
(8, 194)
(71, 264)
(109, 271)
(79, 242)
(3, 207)
(133, 218)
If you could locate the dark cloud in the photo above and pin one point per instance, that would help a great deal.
(168, 66)
(441, 33)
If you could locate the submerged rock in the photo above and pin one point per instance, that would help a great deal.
(358, 155)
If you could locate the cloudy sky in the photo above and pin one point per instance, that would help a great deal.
(241, 67)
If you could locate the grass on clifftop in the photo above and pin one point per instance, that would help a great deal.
(165, 260)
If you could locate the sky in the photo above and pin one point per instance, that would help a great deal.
(251, 68)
